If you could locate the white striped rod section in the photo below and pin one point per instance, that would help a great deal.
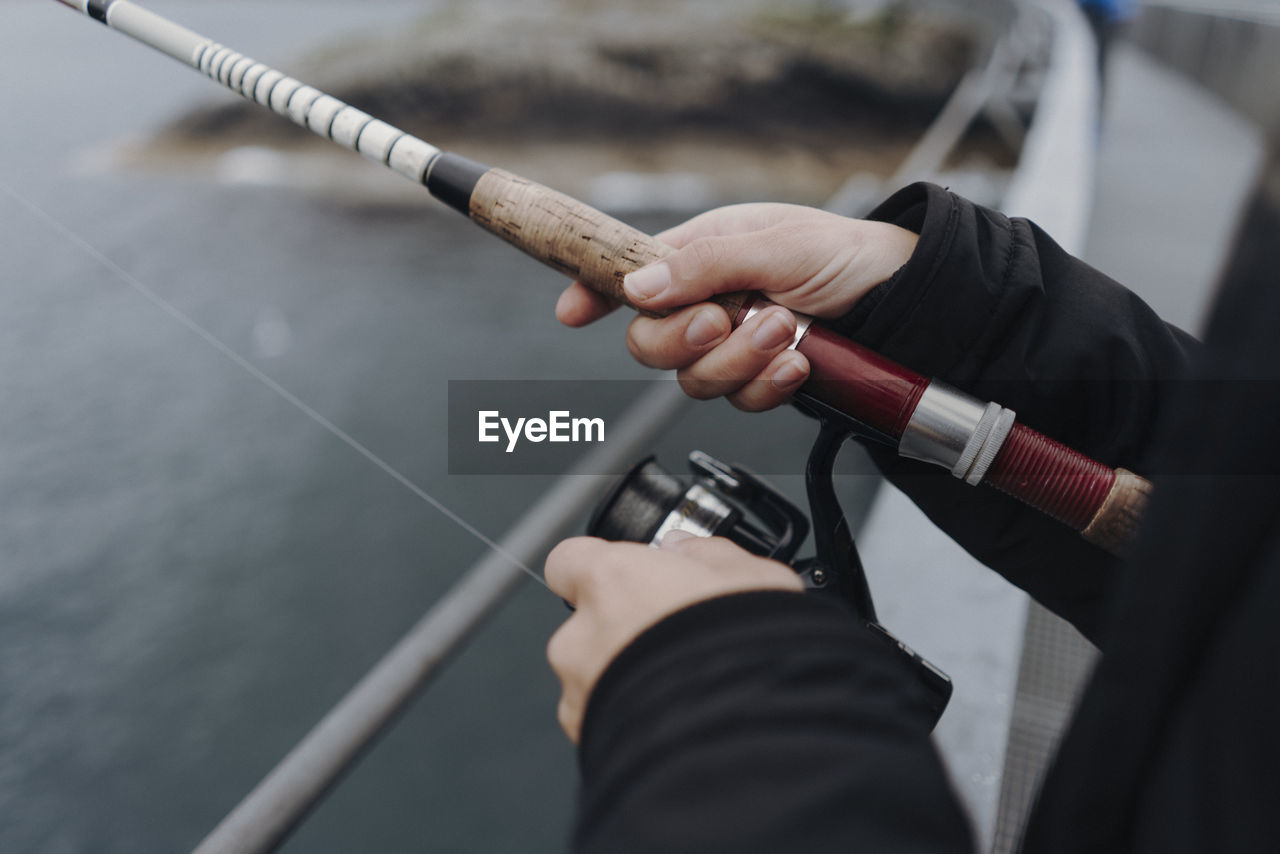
(283, 95)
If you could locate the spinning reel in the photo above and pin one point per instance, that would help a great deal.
(722, 500)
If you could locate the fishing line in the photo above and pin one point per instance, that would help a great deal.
(248, 367)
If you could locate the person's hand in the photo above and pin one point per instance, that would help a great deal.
(620, 589)
(808, 260)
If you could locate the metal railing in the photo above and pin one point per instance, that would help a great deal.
(1054, 188)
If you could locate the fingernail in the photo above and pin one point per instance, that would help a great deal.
(646, 283)
(774, 331)
(561, 301)
(790, 374)
(703, 329)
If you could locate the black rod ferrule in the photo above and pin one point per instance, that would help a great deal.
(98, 9)
(452, 178)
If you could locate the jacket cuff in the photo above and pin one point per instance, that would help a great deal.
(919, 317)
(698, 650)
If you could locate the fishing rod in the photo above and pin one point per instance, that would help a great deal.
(976, 440)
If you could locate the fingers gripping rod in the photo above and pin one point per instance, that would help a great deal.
(978, 442)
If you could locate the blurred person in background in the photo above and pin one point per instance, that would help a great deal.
(1107, 19)
(715, 709)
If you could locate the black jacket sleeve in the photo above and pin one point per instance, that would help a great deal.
(993, 306)
(773, 722)
(762, 723)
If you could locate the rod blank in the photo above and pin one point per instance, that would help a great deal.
(303, 105)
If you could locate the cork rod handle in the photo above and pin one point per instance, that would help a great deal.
(556, 229)
(1115, 526)
(562, 232)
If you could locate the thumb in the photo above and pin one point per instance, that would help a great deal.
(819, 264)
(769, 261)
